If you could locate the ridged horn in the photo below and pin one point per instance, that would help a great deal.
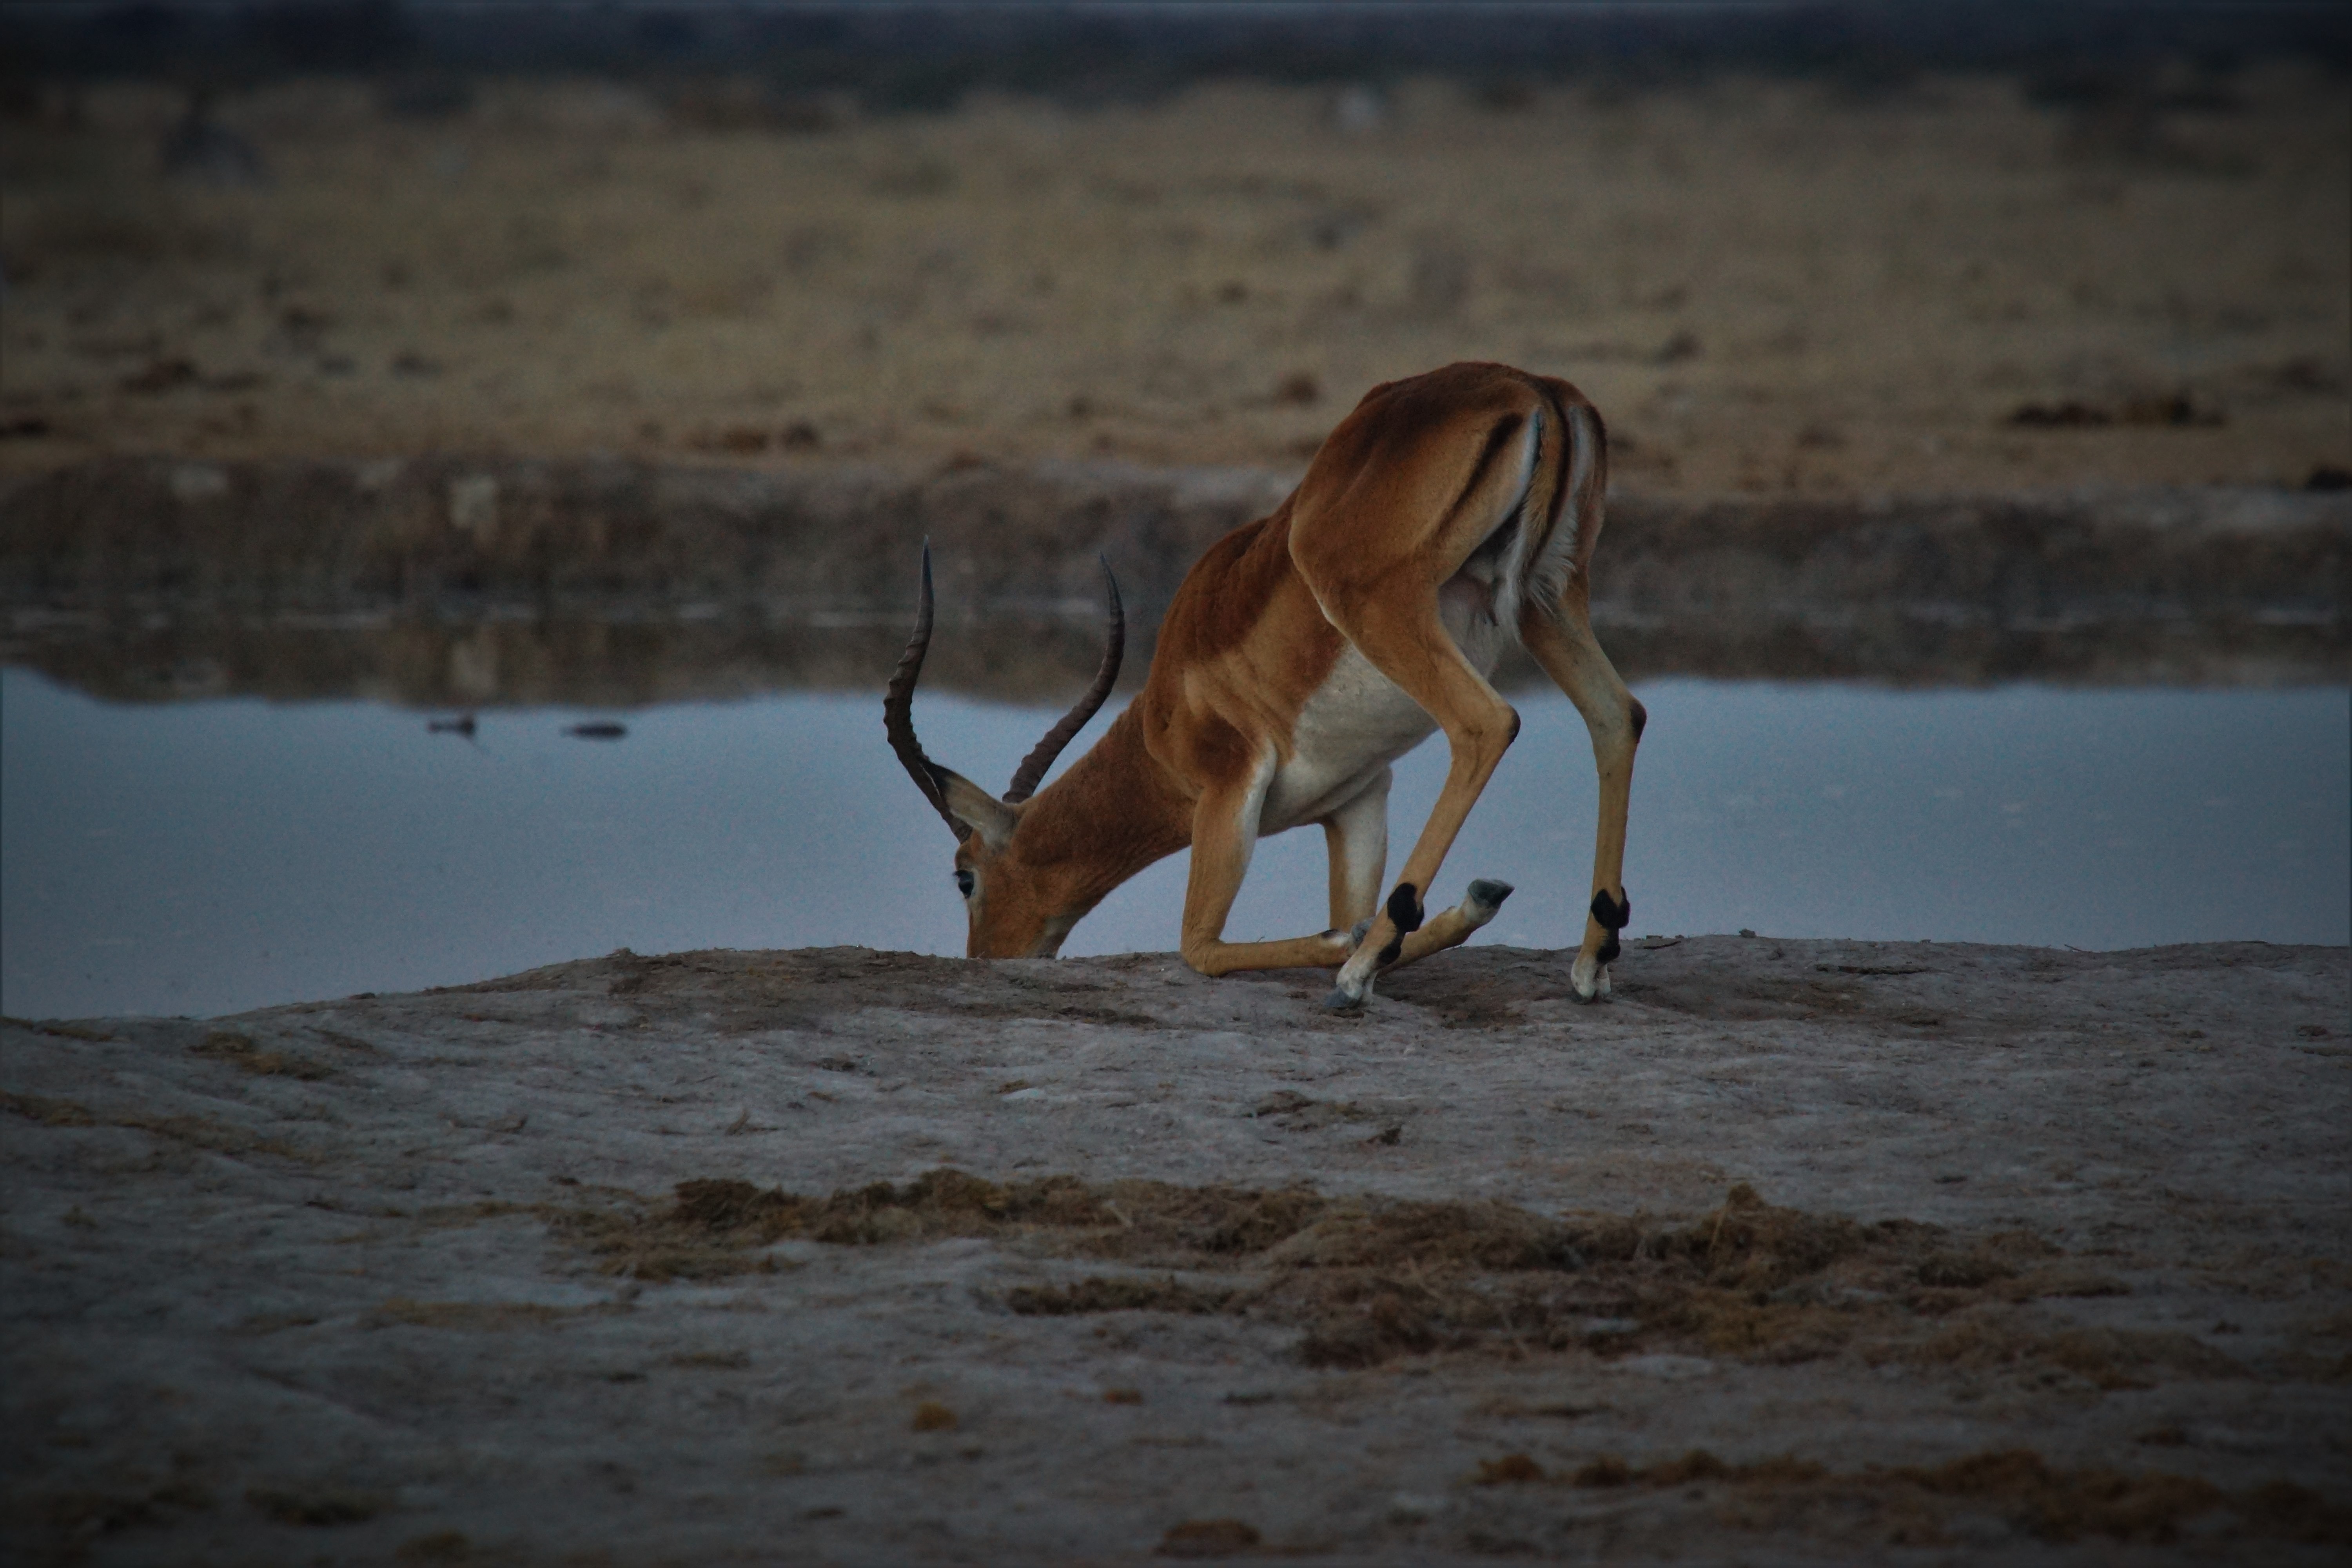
(898, 709)
(1033, 766)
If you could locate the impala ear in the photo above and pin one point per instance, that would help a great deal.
(977, 809)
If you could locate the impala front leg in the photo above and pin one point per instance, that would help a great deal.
(1224, 833)
(1414, 650)
(1357, 839)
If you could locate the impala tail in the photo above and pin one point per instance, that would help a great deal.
(1569, 481)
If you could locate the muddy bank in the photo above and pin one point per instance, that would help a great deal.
(443, 580)
(1795, 1250)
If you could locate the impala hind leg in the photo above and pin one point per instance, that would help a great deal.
(1563, 644)
(1482, 903)
(1356, 835)
(1410, 645)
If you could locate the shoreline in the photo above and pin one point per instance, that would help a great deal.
(799, 575)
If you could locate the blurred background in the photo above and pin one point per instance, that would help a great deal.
(1787, 248)
(538, 362)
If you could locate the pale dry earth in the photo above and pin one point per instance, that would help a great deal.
(1767, 285)
(401, 1278)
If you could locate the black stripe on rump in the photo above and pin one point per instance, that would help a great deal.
(1496, 439)
(1565, 468)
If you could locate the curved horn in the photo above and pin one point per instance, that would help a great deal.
(898, 708)
(1033, 766)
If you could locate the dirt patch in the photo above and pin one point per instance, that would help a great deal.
(317, 1505)
(1096, 1294)
(2107, 1358)
(1912, 1504)
(240, 1052)
(49, 1112)
(1368, 1281)
(196, 1132)
(1208, 1538)
(465, 1314)
(2050, 1502)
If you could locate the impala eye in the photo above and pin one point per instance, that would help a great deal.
(963, 883)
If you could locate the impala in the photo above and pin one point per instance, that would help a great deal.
(1447, 518)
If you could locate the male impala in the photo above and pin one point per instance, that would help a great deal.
(1446, 518)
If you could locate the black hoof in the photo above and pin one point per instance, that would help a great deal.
(1341, 1002)
(1490, 894)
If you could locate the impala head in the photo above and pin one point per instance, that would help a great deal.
(1016, 907)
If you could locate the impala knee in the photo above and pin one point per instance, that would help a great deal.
(1205, 955)
(1497, 739)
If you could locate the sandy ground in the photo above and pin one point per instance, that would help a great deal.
(1793, 1251)
(1766, 286)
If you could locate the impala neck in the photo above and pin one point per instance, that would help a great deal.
(1115, 812)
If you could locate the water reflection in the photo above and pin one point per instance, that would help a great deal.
(685, 653)
(205, 857)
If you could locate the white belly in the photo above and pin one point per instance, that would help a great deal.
(1358, 723)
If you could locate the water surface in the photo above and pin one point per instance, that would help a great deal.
(202, 858)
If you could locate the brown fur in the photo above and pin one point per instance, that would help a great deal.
(1400, 495)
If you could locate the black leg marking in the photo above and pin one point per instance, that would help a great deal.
(1613, 916)
(1641, 717)
(1404, 907)
(1392, 953)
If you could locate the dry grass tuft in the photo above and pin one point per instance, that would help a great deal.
(2062, 1505)
(47, 1111)
(1508, 1470)
(196, 1132)
(1369, 1279)
(1207, 1538)
(465, 1314)
(2109, 1359)
(317, 1505)
(2035, 1496)
(241, 1052)
(1100, 1295)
